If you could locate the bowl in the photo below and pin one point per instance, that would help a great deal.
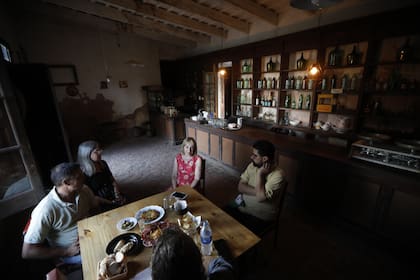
(181, 207)
(294, 122)
(232, 125)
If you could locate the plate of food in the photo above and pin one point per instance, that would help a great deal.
(151, 233)
(189, 223)
(150, 214)
(127, 223)
(127, 243)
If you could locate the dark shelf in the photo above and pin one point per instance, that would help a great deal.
(409, 92)
(343, 66)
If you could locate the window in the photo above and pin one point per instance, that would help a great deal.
(20, 184)
(5, 52)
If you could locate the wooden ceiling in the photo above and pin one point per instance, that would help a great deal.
(195, 23)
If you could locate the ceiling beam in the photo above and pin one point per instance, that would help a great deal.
(216, 15)
(256, 9)
(124, 17)
(162, 14)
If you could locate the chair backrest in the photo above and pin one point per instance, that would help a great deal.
(275, 224)
(202, 177)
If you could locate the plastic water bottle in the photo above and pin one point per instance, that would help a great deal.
(206, 239)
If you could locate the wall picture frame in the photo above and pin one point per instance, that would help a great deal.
(63, 74)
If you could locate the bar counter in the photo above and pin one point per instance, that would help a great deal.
(323, 178)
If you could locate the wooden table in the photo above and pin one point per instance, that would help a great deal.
(97, 231)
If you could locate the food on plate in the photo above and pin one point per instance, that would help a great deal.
(149, 215)
(187, 221)
(119, 245)
(151, 233)
(127, 247)
(127, 224)
(111, 265)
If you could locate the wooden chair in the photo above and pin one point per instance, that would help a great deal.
(274, 225)
(201, 187)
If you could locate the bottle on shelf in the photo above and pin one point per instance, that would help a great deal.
(344, 82)
(273, 100)
(310, 84)
(298, 82)
(305, 82)
(259, 83)
(353, 82)
(333, 82)
(300, 101)
(292, 82)
(245, 67)
(273, 83)
(206, 238)
(308, 102)
(287, 83)
(270, 65)
(324, 83)
(268, 83)
(334, 57)
(293, 103)
(264, 83)
(287, 101)
(301, 62)
(257, 100)
(353, 57)
(286, 118)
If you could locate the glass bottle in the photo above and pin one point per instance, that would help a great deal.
(287, 83)
(333, 82)
(301, 62)
(257, 100)
(333, 57)
(308, 102)
(300, 101)
(270, 65)
(292, 82)
(353, 82)
(245, 67)
(287, 101)
(324, 83)
(352, 58)
(305, 82)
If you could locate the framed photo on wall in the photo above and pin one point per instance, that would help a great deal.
(63, 74)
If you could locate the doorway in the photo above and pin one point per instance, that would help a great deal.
(224, 90)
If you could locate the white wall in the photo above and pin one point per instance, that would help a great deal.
(88, 43)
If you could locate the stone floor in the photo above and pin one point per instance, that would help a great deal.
(309, 246)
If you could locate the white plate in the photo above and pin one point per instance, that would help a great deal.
(227, 128)
(151, 207)
(128, 219)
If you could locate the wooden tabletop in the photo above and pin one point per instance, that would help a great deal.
(97, 231)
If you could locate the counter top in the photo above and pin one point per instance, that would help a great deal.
(296, 147)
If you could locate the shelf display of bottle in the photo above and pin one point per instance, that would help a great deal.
(392, 99)
(266, 97)
(242, 94)
(297, 91)
(339, 91)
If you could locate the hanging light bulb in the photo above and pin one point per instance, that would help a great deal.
(222, 72)
(315, 69)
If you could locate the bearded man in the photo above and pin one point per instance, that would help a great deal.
(259, 189)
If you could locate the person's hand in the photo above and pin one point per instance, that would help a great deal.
(74, 249)
(264, 169)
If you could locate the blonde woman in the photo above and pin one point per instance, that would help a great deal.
(187, 165)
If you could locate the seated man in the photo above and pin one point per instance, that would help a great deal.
(176, 256)
(52, 231)
(259, 189)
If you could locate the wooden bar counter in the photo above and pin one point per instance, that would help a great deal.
(375, 198)
(96, 232)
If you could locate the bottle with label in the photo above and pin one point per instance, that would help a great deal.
(273, 100)
(324, 83)
(293, 103)
(333, 82)
(310, 84)
(257, 100)
(264, 83)
(273, 82)
(298, 82)
(292, 82)
(206, 237)
(305, 82)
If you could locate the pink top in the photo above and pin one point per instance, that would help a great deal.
(186, 170)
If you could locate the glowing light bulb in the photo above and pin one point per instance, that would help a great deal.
(222, 72)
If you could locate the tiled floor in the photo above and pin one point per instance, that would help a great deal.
(309, 246)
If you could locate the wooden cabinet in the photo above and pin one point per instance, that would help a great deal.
(392, 100)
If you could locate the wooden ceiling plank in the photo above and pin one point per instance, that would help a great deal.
(257, 10)
(158, 36)
(116, 15)
(139, 21)
(195, 8)
(153, 11)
